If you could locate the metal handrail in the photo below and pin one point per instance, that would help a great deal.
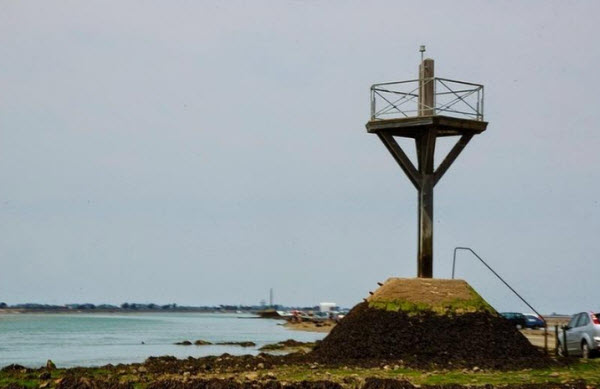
(451, 97)
(496, 274)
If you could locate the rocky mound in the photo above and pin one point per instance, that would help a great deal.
(425, 323)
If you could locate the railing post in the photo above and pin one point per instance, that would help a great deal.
(478, 104)
(372, 104)
(454, 261)
(435, 96)
(482, 97)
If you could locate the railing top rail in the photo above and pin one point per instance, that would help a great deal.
(426, 79)
(393, 82)
(494, 272)
(459, 82)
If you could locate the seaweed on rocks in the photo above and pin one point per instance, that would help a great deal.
(82, 382)
(216, 383)
(383, 383)
(426, 339)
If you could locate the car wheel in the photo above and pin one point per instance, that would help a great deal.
(585, 350)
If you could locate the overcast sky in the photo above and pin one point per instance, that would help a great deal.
(203, 152)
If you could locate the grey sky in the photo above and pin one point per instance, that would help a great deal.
(202, 152)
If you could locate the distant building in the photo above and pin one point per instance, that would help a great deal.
(327, 307)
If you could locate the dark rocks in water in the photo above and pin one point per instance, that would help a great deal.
(50, 365)
(293, 343)
(45, 375)
(425, 338)
(242, 344)
(290, 343)
(269, 313)
(201, 342)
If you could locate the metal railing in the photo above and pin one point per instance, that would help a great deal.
(400, 99)
(496, 274)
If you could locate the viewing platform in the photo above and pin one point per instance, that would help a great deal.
(455, 108)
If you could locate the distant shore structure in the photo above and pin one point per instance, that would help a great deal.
(327, 307)
(424, 110)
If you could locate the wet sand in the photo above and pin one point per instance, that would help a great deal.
(310, 326)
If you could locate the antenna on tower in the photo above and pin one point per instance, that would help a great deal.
(422, 50)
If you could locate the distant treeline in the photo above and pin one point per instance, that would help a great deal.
(147, 307)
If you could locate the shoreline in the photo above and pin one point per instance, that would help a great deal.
(13, 311)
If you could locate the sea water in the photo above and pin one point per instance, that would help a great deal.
(83, 339)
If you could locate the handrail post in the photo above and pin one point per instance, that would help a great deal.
(482, 97)
(372, 104)
(435, 82)
(478, 104)
(454, 262)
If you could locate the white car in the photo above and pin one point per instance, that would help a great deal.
(582, 335)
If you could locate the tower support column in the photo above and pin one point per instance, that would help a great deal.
(425, 254)
(425, 151)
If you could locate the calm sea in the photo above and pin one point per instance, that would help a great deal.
(99, 339)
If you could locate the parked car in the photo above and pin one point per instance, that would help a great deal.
(534, 321)
(582, 335)
(516, 318)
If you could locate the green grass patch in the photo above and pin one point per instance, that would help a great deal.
(28, 382)
(458, 306)
(586, 370)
